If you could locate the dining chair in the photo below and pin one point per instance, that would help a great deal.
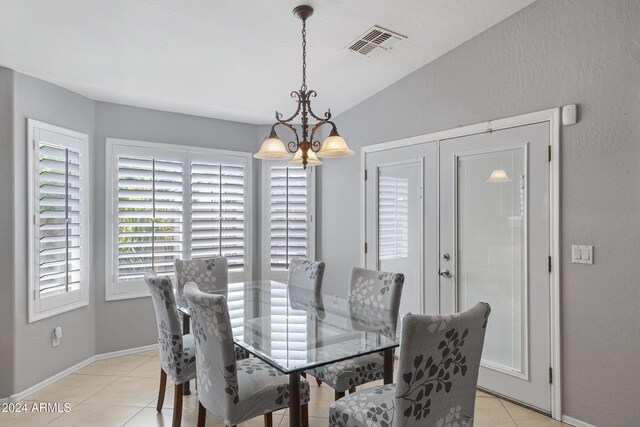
(304, 282)
(210, 274)
(233, 390)
(177, 350)
(373, 291)
(437, 376)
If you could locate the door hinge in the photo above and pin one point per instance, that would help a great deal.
(33, 145)
(365, 174)
(549, 152)
(550, 375)
(549, 264)
(365, 247)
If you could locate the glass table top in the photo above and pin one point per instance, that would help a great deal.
(294, 329)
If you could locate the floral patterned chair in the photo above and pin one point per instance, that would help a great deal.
(437, 376)
(177, 351)
(210, 274)
(305, 284)
(370, 291)
(233, 390)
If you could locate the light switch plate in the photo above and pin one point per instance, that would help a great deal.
(581, 254)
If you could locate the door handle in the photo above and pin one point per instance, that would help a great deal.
(445, 273)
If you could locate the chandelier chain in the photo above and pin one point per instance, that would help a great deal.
(304, 55)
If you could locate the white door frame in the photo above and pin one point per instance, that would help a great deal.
(552, 116)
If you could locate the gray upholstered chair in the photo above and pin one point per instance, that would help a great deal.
(210, 274)
(233, 390)
(305, 284)
(370, 291)
(177, 351)
(437, 376)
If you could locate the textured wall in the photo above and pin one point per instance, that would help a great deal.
(551, 53)
(6, 233)
(130, 323)
(35, 358)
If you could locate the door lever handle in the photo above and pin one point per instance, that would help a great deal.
(445, 273)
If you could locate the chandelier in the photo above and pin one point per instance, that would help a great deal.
(305, 147)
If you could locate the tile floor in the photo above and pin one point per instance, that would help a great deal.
(122, 391)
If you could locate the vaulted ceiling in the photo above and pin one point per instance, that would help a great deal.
(230, 59)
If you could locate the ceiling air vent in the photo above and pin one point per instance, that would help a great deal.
(374, 41)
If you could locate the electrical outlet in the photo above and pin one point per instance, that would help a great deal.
(57, 336)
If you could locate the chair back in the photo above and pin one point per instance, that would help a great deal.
(374, 300)
(215, 357)
(306, 274)
(169, 329)
(438, 368)
(210, 274)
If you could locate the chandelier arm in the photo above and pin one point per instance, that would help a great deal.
(327, 114)
(317, 126)
(290, 144)
(294, 94)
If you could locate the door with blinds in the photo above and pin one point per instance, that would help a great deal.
(288, 217)
(174, 203)
(494, 243)
(400, 217)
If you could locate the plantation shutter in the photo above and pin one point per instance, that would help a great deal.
(150, 229)
(218, 212)
(58, 176)
(57, 243)
(289, 215)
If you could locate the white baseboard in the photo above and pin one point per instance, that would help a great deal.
(23, 394)
(574, 422)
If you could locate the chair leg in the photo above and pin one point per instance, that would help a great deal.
(268, 419)
(202, 415)
(163, 387)
(304, 415)
(177, 405)
(339, 394)
(319, 382)
(352, 390)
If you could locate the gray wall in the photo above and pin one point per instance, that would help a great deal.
(553, 52)
(35, 358)
(6, 233)
(131, 323)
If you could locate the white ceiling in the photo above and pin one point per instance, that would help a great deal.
(230, 59)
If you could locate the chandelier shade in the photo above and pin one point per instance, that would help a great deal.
(304, 145)
(272, 149)
(335, 146)
(312, 159)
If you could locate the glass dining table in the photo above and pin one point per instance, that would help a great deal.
(295, 329)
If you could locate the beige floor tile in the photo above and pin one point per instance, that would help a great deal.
(321, 398)
(313, 422)
(28, 418)
(129, 391)
(73, 388)
(149, 369)
(149, 353)
(188, 402)
(114, 366)
(483, 394)
(148, 417)
(491, 413)
(527, 418)
(89, 415)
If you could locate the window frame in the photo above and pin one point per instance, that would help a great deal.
(184, 153)
(68, 302)
(267, 273)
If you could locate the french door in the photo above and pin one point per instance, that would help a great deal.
(476, 210)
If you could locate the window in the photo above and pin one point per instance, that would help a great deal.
(169, 202)
(289, 210)
(58, 203)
